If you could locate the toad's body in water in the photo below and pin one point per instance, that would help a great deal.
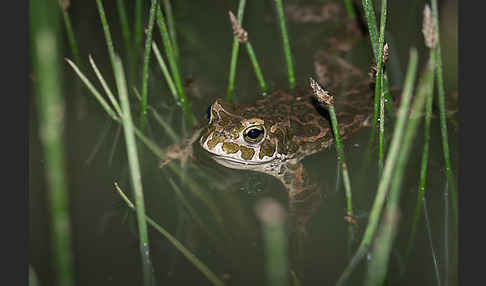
(274, 134)
(277, 132)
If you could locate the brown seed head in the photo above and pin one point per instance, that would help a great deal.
(321, 95)
(64, 4)
(239, 32)
(428, 28)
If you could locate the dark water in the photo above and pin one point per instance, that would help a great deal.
(226, 234)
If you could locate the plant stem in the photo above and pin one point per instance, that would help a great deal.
(171, 26)
(106, 30)
(166, 73)
(95, 92)
(137, 27)
(136, 177)
(108, 92)
(378, 267)
(442, 115)
(425, 157)
(71, 39)
(50, 105)
(388, 169)
(256, 68)
(173, 66)
(381, 135)
(350, 9)
(127, 40)
(211, 276)
(327, 101)
(234, 53)
(285, 42)
(271, 215)
(379, 82)
(146, 60)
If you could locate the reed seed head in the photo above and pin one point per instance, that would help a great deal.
(239, 32)
(429, 29)
(320, 93)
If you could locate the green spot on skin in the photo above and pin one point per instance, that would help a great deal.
(230, 148)
(214, 141)
(268, 148)
(246, 153)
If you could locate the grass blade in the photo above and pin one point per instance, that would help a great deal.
(108, 92)
(234, 53)
(166, 73)
(381, 251)
(387, 171)
(271, 215)
(328, 101)
(171, 26)
(106, 30)
(442, 115)
(94, 92)
(425, 153)
(136, 176)
(45, 23)
(146, 60)
(183, 102)
(70, 34)
(242, 37)
(191, 257)
(285, 42)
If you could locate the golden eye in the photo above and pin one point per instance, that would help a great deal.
(254, 134)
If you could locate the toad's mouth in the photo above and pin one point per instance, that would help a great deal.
(239, 164)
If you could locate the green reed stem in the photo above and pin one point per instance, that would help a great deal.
(381, 135)
(285, 42)
(372, 30)
(327, 101)
(108, 92)
(379, 76)
(377, 47)
(159, 119)
(106, 30)
(71, 39)
(146, 60)
(93, 90)
(172, 29)
(256, 68)
(425, 158)
(50, 106)
(234, 53)
(136, 176)
(154, 148)
(137, 27)
(211, 276)
(346, 180)
(442, 115)
(271, 216)
(431, 244)
(173, 66)
(165, 71)
(126, 34)
(388, 169)
(295, 279)
(122, 13)
(350, 9)
(382, 247)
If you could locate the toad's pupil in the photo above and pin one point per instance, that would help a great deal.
(254, 133)
(209, 111)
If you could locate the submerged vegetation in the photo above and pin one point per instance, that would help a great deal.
(377, 237)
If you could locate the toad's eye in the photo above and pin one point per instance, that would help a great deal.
(254, 134)
(209, 111)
